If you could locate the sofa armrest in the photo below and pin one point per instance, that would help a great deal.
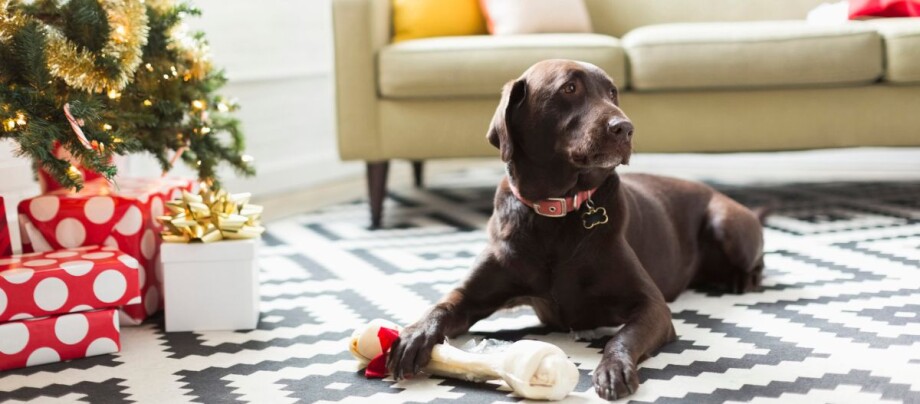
(360, 29)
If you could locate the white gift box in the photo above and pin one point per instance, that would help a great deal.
(210, 286)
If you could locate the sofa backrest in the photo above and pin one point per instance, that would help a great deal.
(617, 17)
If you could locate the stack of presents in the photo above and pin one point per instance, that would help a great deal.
(90, 262)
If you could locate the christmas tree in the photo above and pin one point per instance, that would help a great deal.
(102, 77)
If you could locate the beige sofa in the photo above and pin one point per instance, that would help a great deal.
(696, 76)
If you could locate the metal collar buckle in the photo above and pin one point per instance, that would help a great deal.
(556, 208)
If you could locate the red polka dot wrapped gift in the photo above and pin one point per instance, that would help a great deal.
(58, 338)
(50, 302)
(41, 284)
(120, 215)
(6, 244)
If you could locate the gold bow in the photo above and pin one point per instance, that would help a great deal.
(211, 216)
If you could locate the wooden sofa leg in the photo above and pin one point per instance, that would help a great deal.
(377, 189)
(418, 171)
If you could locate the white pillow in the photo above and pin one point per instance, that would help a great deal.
(509, 17)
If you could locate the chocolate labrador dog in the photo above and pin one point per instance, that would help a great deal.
(582, 245)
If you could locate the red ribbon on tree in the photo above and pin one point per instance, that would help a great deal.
(377, 368)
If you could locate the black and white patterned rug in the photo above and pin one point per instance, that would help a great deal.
(839, 320)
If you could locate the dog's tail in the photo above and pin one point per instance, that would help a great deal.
(762, 212)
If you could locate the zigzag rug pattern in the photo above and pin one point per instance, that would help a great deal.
(838, 321)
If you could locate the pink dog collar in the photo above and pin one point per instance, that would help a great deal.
(555, 207)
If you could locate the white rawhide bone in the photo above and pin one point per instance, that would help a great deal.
(535, 370)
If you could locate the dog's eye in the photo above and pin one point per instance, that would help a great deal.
(613, 92)
(569, 88)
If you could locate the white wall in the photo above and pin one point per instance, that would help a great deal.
(278, 57)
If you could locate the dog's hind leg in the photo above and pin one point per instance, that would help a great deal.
(731, 248)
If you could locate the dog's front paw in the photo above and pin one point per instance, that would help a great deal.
(615, 378)
(412, 350)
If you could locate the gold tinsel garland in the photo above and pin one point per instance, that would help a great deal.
(211, 216)
(10, 21)
(161, 5)
(128, 22)
(195, 52)
(77, 67)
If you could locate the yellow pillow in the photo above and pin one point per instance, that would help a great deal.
(413, 19)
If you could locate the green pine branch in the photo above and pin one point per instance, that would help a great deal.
(164, 108)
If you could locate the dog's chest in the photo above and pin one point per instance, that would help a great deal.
(578, 293)
(577, 299)
(566, 259)
(567, 269)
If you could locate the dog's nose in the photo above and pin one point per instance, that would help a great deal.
(620, 128)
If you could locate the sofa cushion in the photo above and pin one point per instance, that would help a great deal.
(515, 17)
(752, 55)
(480, 65)
(413, 19)
(902, 48)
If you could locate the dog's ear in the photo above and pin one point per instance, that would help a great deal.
(513, 95)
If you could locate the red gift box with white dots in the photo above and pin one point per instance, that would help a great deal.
(58, 338)
(121, 215)
(6, 245)
(63, 281)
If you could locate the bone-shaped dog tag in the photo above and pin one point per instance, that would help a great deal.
(593, 216)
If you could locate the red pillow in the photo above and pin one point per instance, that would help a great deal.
(884, 8)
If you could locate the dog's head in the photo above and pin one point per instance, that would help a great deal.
(561, 119)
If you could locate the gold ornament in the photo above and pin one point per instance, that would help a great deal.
(211, 216)
(10, 124)
(77, 66)
(74, 174)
